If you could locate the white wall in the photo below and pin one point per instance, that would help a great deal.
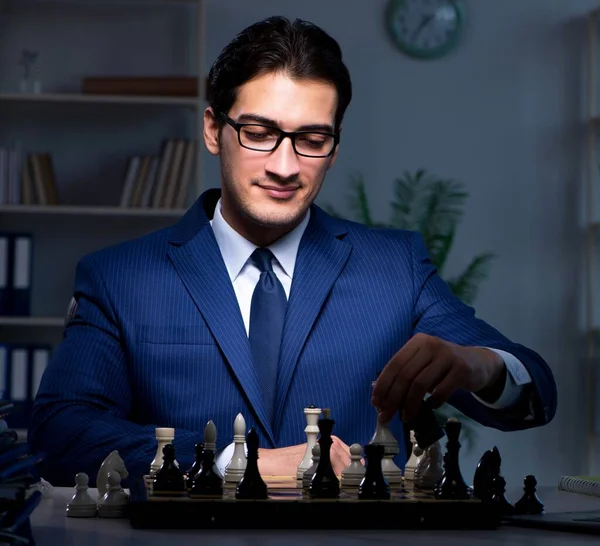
(504, 114)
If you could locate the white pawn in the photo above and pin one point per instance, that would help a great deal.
(312, 430)
(115, 501)
(164, 436)
(234, 471)
(416, 455)
(82, 505)
(310, 471)
(353, 474)
(210, 443)
(383, 435)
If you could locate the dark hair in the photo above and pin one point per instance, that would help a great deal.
(301, 49)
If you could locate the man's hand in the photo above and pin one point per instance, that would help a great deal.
(284, 461)
(431, 365)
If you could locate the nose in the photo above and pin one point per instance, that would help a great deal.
(283, 162)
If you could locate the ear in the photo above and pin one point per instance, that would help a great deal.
(336, 151)
(211, 131)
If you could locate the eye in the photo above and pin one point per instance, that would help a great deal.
(258, 133)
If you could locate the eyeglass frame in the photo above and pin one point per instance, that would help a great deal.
(282, 135)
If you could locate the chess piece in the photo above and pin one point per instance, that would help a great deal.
(168, 479)
(529, 503)
(353, 474)
(383, 436)
(325, 484)
(498, 496)
(164, 436)
(115, 501)
(210, 443)
(487, 469)
(425, 426)
(374, 484)
(196, 466)
(234, 471)
(251, 485)
(452, 486)
(310, 471)
(112, 463)
(416, 455)
(82, 505)
(429, 471)
(312, 430)
(207, 482)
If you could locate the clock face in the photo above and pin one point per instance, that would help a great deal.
(425, 29)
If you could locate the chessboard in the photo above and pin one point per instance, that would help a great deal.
(288, 506)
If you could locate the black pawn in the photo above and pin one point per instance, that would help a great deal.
(452, 486)
(251, 485)
(207, 482)
(499, 499)
(529, 503)
(374, 485)
(325, 484)
(195, 468)
(168, 478)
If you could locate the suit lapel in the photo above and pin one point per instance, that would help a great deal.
(322, 256)
(198, 261)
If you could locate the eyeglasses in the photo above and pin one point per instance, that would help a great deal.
(263, 138)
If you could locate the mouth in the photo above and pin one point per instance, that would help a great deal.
(279, 192)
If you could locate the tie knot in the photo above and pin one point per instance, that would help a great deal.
(261, 258)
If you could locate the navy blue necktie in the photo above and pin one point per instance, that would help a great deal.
(267, 313)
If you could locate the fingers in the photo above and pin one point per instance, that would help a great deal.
(427, 380)
(388, 374)
(406, 375)
(339, 455)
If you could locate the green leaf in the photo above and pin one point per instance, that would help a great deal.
(465, 286)
(440, 249)
(359, 201)
(407, 201)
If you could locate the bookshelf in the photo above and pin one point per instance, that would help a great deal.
(80, 98)
(93, 136)
(74, 210)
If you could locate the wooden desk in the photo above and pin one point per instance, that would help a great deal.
(51, 527)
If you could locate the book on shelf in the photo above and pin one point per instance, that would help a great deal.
(160, 181)
(27, 180)
(585, 485)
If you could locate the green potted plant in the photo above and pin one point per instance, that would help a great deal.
(433, 206)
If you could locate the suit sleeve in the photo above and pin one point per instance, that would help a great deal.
(439, 313)
(82, 408)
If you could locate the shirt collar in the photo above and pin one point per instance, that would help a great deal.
(236, 250)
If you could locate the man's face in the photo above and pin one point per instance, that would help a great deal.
(266, 194)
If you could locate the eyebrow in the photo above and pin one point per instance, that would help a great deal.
(268, 121)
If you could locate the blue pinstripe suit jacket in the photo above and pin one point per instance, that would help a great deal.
(158, 340)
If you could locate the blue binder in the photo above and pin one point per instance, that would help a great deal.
(15, 274)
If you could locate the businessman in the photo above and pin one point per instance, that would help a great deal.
(258, 302)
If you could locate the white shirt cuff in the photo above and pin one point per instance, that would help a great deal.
(223, 458)
(517, 376)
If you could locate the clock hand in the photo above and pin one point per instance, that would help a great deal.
(424, 22)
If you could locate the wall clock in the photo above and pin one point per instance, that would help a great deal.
(425, 29)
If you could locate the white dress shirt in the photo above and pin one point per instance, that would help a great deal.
(236, 251)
